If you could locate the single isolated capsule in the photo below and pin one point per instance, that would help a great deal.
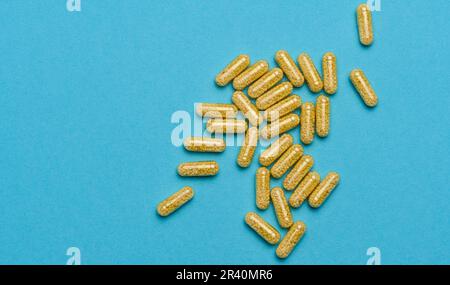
(203, 144)
(262, 228)
(329, 70)
(324, 189)
(262, 188)
(280, 126)
(229, 126)
(310, 72)
(266, 82)
(276, 149)
(362, 85)
(233, 69)
(198, 168)
(247, 108)
(291, 239)
(175, 201)
(281, 207)
(322, 116)
(274, 95)
(305, 188)
(307, 123)
(364, 18)
(284, 107)
(250, 75)
(248, 148)
(298, 172)
(289, 68)
(289, 158)
(216, 110)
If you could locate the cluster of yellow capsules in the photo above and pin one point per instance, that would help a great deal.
(271, 100)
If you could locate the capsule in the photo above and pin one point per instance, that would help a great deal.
(282, 108)
(310, 72)
(262, 228)
(266, 82)
(323, 190)
(202, 144)
(229, 126)
(298, 172)
(199, 168)
(291, 239)
(329, 69)
(175, 201)
(250, 75)
(282, 210)
(274, 95)
(276, 149)
(280, 126)
(322, 116)
(262, 188)
(233, 69)
(305, 188)
(364, 17)
(247, 108)
(216, 110)
(363, 87)
(289, 158)
(248, 148)
(289, 68)
(307, 123)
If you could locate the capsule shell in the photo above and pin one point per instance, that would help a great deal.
(283, 125)
(329, 69)
(307, 123)
(216, 110)
(175, 201)
(310, 72)
(322, 116)
(298, 172)
(250, 75)
(284, 107)
(247, 108)
(362, 85)
(248, 148)
(262, 228)
(291, 239)
(324, 189)
(364, 18)
(229, 126)
(276, 149)
(289, 158)
(266, 82)
(233, 69)
(274, 95)
(203, 144)
(262, 188)
(305, 188)
(198, 168)
(289, 68)
(281, 207)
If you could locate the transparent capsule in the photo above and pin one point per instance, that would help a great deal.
(248, 148)
(282, 210)
(323, 190)
(266, 82)
(280, 126)
(276, 149)
(216, 110)
(201, 144)
(233, 69)
(329, 69)
(322, 116)
(283, 107)
(262, 188)
(262, 228)
(298, 172)
(363, 87)
(289, 158)
(229, 126)
(175, 201)
(247, 108)
(289, 68)
(274, 95)
(250, 75)
(307, 123)
(291, 239)
(305, 188)
(364, 18)
(198, 168)
(310, 73)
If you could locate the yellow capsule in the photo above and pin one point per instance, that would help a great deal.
(323, 190)
(276, 149)
(216, 110)
(274, 95)
(291, 239)
(200, 144)
(229, 126)
(233, 69)
(363, 87)
(262, 228)
(198, 168)
(250, 75)
(310, 72)
(289, 67)
(262, 188)
(248, 148)
(322, 116)
(265, 83)
(247, 108)
(329, 69)
(364, 17)
(175, 201)
(280, 126)
(289, 158)
(283, 107)
(307, 123)
(298, 172)
(305, 188)
(282, 210)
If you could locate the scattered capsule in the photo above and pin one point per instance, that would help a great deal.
(363, 87)
(291, 239)
(329, 69)
(229, 126)
(248, 109)
(175, 201)
(289, 67)
(262, 228)
(324, 189)
(276, 149)
(233, 69)
(322, 116)
(262, 188)
(248, 148)
(266, 82)
(250, 75)
(289, 158)
(216, 110)
(280, 126)
(307, 123)
(298, 172)
(203, 144)
(274, 95)
(364, 17)
(199, 168)
(281, 207)
(305, 188)
(310, 72)
(282, 108)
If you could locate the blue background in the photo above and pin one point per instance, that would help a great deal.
(86, 100)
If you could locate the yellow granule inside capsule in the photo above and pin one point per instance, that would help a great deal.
(250, 75)
(322, 116)
(329, 69)
(233, 69)
(247, 108)
(175, 201)
(262, 188)
(289, 68)
(323, 190)
(282, 210)
(198, 168)
(362, 85)
(364, 19)
(265, 83)
(280, 126)
(216, 110)
(310, 73)
(274, 95)
(229, 126)
(291, 239)
(262, 228)
(248, 148)
(284, 107)
(289, 158)
(276, 149)
(307, 123)
(298, 172)
(305, 188)
(201, 144)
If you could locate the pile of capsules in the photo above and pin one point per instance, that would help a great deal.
(274, 104)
